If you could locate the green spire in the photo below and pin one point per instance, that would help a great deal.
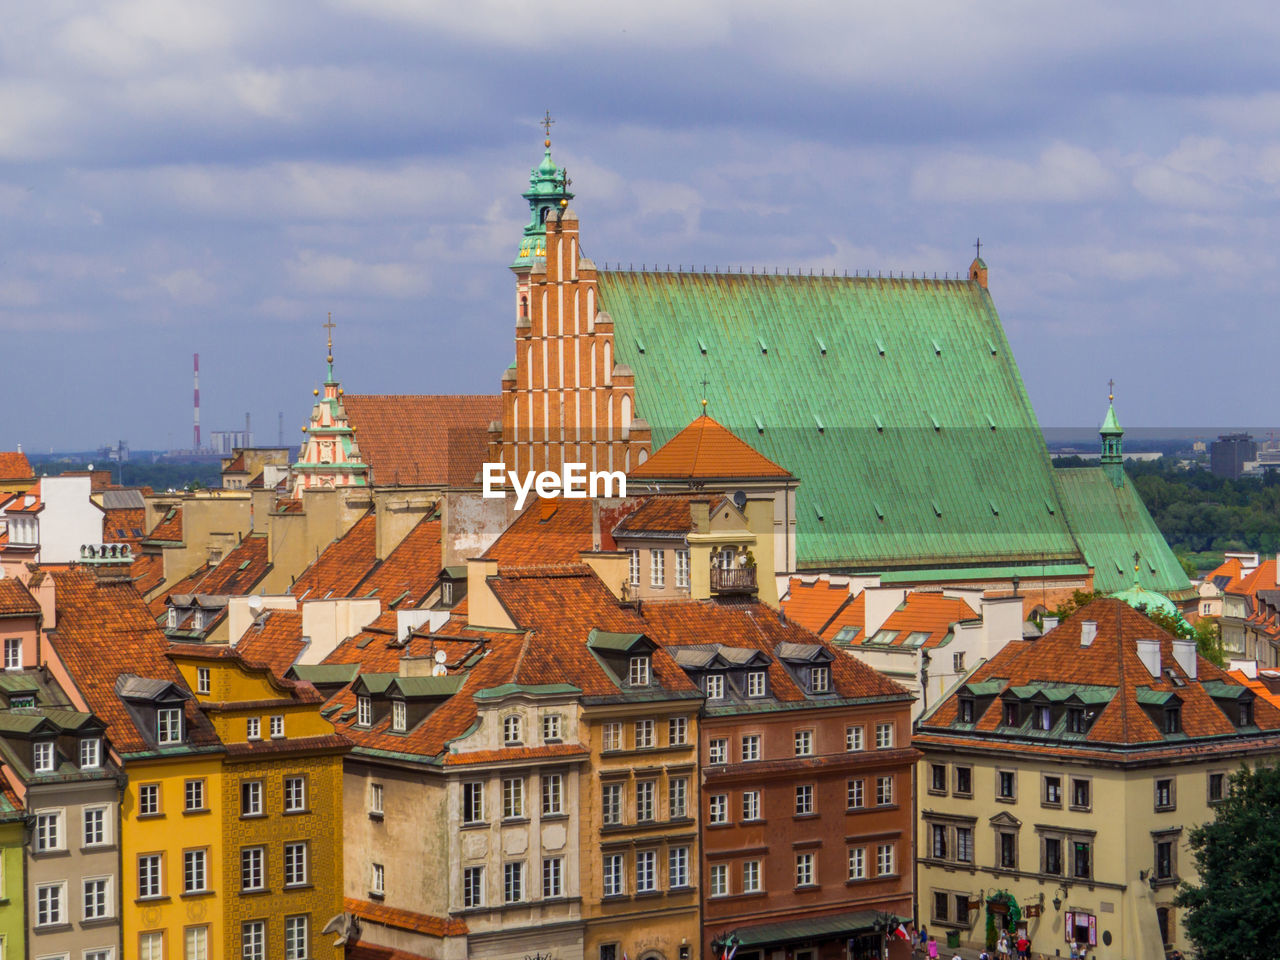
(548, 191)
(1112, 435)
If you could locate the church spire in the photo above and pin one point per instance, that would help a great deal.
(1112, 435)
(548, 191)
(330, 456)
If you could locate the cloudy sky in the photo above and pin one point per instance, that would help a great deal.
(214, 177)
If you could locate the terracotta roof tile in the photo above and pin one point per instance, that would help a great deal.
(14, 466)
(275, 639)
(548, 532)
(406, 919)
(16, 600)
(1262, 578)
(236, 574)
(187, 584)
(706, 450)
(416, 439)
(812, 605)
(925, 612)
(343, 564)
(123, 525)
(169, 527)
(663, 514)
(410, 571)
(236, 465)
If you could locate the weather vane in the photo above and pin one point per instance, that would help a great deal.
(546, 123)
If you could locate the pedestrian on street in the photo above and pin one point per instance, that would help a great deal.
(1024, 947)
(933, 949)
(1002, 946)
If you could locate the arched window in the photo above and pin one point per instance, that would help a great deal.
(524, 307)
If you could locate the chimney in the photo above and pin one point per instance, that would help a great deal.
(1184, 654)
(1149, 654)
(1050, 623)
(1088, 631)
(1248, 667)
(109, 562)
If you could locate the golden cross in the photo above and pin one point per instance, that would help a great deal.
(329, 326)
(1111, 389)
(546, 122)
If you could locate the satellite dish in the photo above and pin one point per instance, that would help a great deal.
(740, 499)
(441, 656)
(439, 670)
(255, 605)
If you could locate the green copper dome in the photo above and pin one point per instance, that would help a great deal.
(548, 190)
(1111, 425)
(1142, 599)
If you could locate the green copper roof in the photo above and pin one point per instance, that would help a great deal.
(1111, 425)
(1110, 523)
(548, 186)
(896, 402)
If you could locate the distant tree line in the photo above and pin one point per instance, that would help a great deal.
(161, 475)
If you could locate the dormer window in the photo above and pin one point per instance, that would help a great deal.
(1011, 718)
(1075, 720)
(820, 679)
(173, 617)
(90, 753)
(1246, 713)
(966, 710)
(44, 757)
(169, 725)
(755, 683)
(22, 700)
(512, 729)
(713, 686)
(399, 716)
(638, 675)
(446, 593)
(1044, 718)
(364, 712)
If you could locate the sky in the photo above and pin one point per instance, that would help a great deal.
(216, 177)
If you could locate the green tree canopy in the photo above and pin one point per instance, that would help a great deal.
(1231, 914)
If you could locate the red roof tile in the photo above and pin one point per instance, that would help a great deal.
(410, 572)
(706, 450)
(274, 639)
(812, 605)
(663, 514)
(409, 440)
(344, 563)
(15, 466)
(169, 527)
(930, 613)
(406, 919)
(548, 532)
(123, 525)
(16, 600)
(236, 574)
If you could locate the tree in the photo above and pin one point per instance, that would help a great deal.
(1078, 599)
(1204, 633)
(1230, 914)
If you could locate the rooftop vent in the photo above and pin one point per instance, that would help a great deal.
(1149, 654)
(1088, 632)
(1184, 654)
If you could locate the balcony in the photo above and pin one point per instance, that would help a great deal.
(733, 580)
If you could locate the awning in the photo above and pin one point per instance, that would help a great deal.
(810, 928)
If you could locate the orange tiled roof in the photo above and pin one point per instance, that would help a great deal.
(663, 514)
(169, 527)
(105, 630)
(1111, 660)
(123, 525)
(1256, 685)
(14, 466)
(410, 571)
(187, 584)
(812, 605)
(235, 575)
(706, 450)
(16, 600)
(548, 532)
(27, 502)
(1263, 577)
(236, 465)
(416, 439)
(406, 919)
(344, 563)
(275, 640)
(925, 612)
(1231, 568)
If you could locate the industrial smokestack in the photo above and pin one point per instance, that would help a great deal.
(197, 400)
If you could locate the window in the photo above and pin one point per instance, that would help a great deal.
(512, 729)
(50, 903)
(44, 761)
(1164, 860)
(750, 804)
(169, 725)
(719, 880)
(1053, 791)
(95, 826)
(819, 679)
(472, 802)
(297, 939)
(938, 778)
(399, 716)
(678, 797)
(512, 798)
(1007, 845)
(377, 879)
(1246, 713)
(1217, 787)
(613, 881)
(804, 799)
(639, 671)
(633, 567)
(90, 753)
(646, 871)
(885, 860)
(657, 569)
(195, 943)
(751, 876)
(937, 841)
(195, 871)
(364, 712)
(857, 863)
(253, 868)
(49, 831)
(1081, 857)
(13, 653)
(713, 686)
(251, 798)
(966, 710)
(277, 726)
(96, 899)
(884, 791)
(1164, 794)
(149, 800)
(203, 684)
(677, 731)
(853, 739)
(755, 683)
(612, 734)
(611, 803)
(1075, 720)
(884, 736)
(751, 747)
(253, 940)
(1052, 856)
(941, 907)
(1080, 794)
(718, 808)
(1011, 718)
(296, 872)
(1172, 720)
(682, 568)
(254, 728)
(1006, 784)
(718, 751)
(551, 725)
(957, 662)
(964, 781)
(644, 735)
(646, 794)
(677, 867)
(473, 887)
(193, 795)
(804, 869)
(375, 801)
(553, 877)
(151, 946)
(149, 884)
(295, 794)
(804, 743)
(964, 844)
(854, 793)
(1042, 717)
(19, 700)
(552, 794)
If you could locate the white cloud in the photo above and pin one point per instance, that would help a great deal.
(1063, 173)
(186, 286)
(312, 270)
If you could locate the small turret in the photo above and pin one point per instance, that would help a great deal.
(548, 193)
(330, 456)
(1112, 435)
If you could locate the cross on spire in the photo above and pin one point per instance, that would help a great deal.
(977, 246)
(704, 381)
(329, 326)
(1111, 390)
(546, 123)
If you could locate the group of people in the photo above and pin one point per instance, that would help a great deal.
(1006, 948)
